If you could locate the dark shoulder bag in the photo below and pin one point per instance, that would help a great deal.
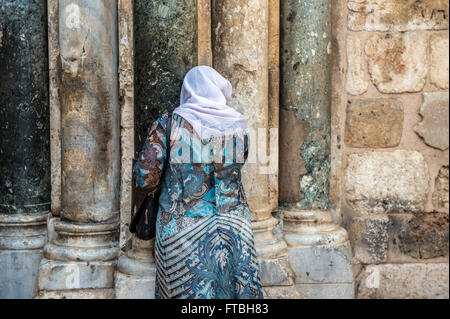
(144, 207)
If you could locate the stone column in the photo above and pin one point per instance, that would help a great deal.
(274, 89)
(319, 251)
(81, 257)
(166, 47)
(55, 107)
(24, 145)
(204, 32)
(126, 98)
(240, 53)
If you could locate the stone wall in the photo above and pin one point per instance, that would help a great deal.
(390, 131)
(382, 173)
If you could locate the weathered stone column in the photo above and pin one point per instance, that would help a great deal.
(274, 90)
(126, 100)
(24, 145)
(55, 108)
(166, 47)
(81, 257)
(204, 32)
(240, 53)
(319, 251)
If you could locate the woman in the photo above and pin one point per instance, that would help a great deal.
(204, 243)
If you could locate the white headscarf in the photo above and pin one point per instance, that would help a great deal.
(203, 104)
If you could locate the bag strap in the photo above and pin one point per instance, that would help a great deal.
(168, 133)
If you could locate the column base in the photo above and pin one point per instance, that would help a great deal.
(281, 292)
(82, 241)
(319, 254)
(71, 275)
(275, 273)
(327, 291)
(323, 272)
(19, 273)
(77, 294)
(22, 237)
(277, 279)
(135, 287)
(79, 261)
(268, 246)
(136, 271)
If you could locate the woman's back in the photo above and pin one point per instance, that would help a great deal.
(204, 242)
(203, 176)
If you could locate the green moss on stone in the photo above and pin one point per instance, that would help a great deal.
(305, 87)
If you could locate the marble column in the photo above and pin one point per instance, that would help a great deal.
(24, 144)
(81, 257)
(319, 251)
(240, 53)
(166, 47)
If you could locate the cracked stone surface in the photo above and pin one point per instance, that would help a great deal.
(386, 182)
(434, 128)
(369, 237)
(440, 194)
(403, 281)
(374, 123)
(439, 61)
(356, 80)
(395, 15)
(421, 236)
(398, 63)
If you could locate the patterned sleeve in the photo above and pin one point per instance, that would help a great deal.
(150, 163)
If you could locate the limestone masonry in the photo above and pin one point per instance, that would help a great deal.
(390, 109)
(356, 89)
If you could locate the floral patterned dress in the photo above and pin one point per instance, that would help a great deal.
(204, 242)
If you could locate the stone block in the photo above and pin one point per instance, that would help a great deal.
(356, 81)
(281, 292)
(395, 15)
(403, 281)
(441, 189)
(398, 63)
(421, 236)
(434, 128)
(61, 275)
(374, 123)
(327, 264)
(386, 182)
(329, 291)
(275, 272)
(134, 287)
(439, 61)
(19, 269)
(323, 272)
(369, 237)
(77, 294)
(22, 237)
